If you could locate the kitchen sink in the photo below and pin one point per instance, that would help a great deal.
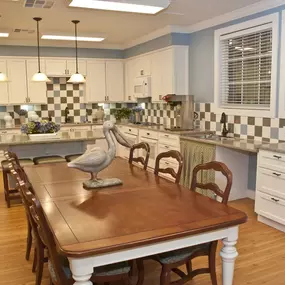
(212, 137)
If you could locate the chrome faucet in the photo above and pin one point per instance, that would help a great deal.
(223, 121)
(66, 113)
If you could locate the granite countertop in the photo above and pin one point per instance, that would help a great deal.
(277, 147)
(76, 136)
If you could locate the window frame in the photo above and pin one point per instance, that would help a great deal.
(237, 29)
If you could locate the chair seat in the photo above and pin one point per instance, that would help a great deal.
(48, 159)
(180, 254)
(107, 270)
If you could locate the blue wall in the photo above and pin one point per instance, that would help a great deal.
(202, 57)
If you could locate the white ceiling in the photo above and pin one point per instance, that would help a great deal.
(119, 28)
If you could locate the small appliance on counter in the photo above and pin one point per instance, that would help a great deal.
(32, 116)
(8, 120)
(185, 116)
(99, 115)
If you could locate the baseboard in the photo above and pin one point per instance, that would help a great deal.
(271, 223)
(250, 194)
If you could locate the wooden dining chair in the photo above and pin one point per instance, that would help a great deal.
(27, 195)
(170, 261)
(169, 154)
(142, 160)
(58, 265)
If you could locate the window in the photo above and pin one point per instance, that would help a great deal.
(246, 65)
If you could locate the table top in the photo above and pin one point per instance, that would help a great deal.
(146, 209)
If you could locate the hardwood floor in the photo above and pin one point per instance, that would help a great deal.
(261, 251)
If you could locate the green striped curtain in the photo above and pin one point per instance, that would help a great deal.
(195, 153)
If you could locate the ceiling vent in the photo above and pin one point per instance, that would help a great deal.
(46, 4)
(24, 31)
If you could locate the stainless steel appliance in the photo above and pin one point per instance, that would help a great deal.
(185, 116)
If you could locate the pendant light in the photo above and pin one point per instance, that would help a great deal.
(39, 76)
(76, 77)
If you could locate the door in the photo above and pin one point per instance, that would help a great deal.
(96, 81)
(17, 81)
(115, 81)
(153, 144)
(71, 67)
(56, 67)
(37, 91)
(4, 98)
(129, 81)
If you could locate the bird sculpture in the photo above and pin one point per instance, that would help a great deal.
(97, 159)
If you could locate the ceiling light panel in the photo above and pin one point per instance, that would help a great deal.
(72, 38)
(133, 6)
(46, 4)
(4, 35)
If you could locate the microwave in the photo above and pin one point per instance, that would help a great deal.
(142, 87)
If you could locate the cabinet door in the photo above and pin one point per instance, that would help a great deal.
(17, 81)
(71, 67)
(129, 81)
(143, 66)
(4, 98)
(56, 67)
(167, 72)
(96, 81)
(115, 81)
(156, 77)
(37, 91)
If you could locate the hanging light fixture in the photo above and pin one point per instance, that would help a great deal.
(76, 77)
(3, 77)
(39, 76)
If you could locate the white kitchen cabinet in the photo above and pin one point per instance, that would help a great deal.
(143, 66)
(71, 67)
(56, 67)
(37, 91)
(17, 81)
(170, 72)
(96, 81)
(129, 80)
(4, 98)
(114, 81)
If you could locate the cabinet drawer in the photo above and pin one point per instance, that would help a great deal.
(11, 132)
(169, 139)
(272, 160)
(128, 130)
(149, 134)
(271, 182)
(270, 207)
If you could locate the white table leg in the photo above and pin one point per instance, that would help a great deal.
(82, 271)
(229, 255)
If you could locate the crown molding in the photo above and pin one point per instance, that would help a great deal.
(156, 34)
(236, 14)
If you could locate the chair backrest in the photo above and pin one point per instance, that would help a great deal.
(142, 160)
(47, 237)
(13, 165)
(219, 167)
(174, 154)
(11, 156)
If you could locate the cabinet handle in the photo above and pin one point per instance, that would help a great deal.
(148, 134)
(167, 163)
(167, 147)
(275, 200)
(166, 136)
(276, 174)
(130, 130)
(277, 156)
(129, 97)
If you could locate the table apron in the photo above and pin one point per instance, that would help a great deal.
(80, 266)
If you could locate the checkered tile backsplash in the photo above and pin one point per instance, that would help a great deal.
(254, 128)
(157, 111)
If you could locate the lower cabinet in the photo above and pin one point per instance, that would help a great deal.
(270, 191)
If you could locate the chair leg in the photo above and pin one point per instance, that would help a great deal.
(212, 263)
(132, 271)
(189, 267)
(6, 188)
(35, 260)
(29, 241)
(140, 267)
(40, 263)
(165, 276)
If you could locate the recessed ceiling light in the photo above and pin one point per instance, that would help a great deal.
(134, 6)
(72, 38)
(4, 35)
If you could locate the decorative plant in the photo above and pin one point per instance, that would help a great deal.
(43, 127)
(123, 113)
(23, 112)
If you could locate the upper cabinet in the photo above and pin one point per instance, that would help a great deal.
(37, 91)
(115, 81)
(170, 72)
(56, 67)
(142, 66)
(71, 67)
(96, 81)
(4, 98)
(17, 81)
(129, 80)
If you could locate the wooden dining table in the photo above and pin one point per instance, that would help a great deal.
(146, 215)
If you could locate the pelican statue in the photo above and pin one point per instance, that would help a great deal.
(97, 159)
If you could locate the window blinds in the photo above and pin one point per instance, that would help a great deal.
(246, 62)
